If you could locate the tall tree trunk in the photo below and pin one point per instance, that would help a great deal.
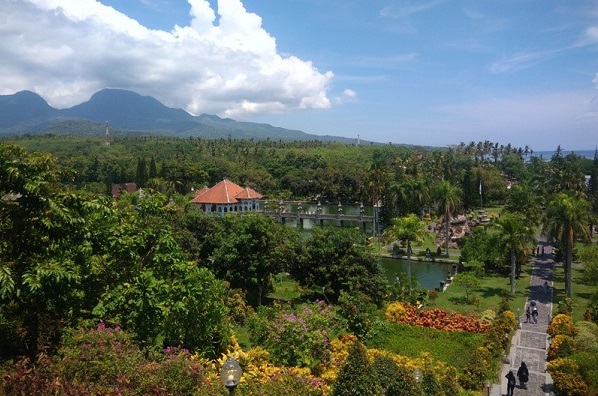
(446, 229)
(409, 265)
(512, 271)
(568, 262)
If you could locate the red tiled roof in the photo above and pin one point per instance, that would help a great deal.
(225, 192)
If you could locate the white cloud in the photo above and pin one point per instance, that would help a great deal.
(348, 95)
(66, 50)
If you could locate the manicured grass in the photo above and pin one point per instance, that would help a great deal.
(453, 348)
(488, 295)
(581, 292)
(284, 288)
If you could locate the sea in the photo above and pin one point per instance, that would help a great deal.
(546, 155)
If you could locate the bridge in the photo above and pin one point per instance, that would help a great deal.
(299, 216)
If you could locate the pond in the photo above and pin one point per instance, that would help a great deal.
(427, 273)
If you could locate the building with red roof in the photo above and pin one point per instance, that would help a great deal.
(227, 196)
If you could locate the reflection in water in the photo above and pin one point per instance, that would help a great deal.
(427, 273)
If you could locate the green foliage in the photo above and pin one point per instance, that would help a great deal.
(478, 368)
(587, 363)
(358, 311)
(395, 380)
(469, 282)
(295, 338)
(357, 377)
(283, 383)
(338, 260)
(453, 348)
(250, 250)
(106, 361)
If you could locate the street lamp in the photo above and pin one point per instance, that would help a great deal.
(488, 384)
(230, 375)
(417, 374)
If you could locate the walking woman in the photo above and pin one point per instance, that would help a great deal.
(523, 375)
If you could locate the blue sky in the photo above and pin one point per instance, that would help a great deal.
(416, 72)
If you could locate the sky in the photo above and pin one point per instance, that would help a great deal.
(425, 72)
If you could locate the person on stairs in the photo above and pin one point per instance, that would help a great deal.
(523, 375)
(511, 382)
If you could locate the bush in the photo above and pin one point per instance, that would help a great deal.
(587, 336)
(394, 379)
(561, 324)
(356, 377)
(560, 347)
(296, 338)
(395, 312)
(478, 368)
(358, 311)
(588, 368)
(567, 379)
(106, 361)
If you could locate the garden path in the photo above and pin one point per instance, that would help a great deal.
(530, 342)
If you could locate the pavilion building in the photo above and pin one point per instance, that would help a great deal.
(227, 196)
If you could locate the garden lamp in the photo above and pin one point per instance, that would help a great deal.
(417, 374)
(230, 375)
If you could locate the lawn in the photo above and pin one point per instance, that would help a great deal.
(453, 348)
(581, 292)
(487, 295)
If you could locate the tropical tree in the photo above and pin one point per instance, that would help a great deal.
(515, 234)
(522, 200)
(409, 228)
(250, 249)
(339, 260)
(448, 199)
(565, 222)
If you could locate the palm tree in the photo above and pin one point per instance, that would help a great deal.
(411, 229)
(448, 198)
(515, 234)
(566, 220)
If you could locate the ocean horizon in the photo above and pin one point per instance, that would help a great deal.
(589, 154)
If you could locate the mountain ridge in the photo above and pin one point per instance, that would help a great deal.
(124, 110)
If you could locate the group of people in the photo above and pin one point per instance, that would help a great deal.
(531, 314)
(522, 374)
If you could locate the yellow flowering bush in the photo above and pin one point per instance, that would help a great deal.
(561, 324)
(395, 312)
(566, 377)
(561, 346)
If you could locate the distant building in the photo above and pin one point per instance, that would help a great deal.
(118, 189)
(227, 196)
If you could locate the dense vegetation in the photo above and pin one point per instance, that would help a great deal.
(144, 274)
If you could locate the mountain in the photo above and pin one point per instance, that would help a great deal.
(23, 110)
(27, 112)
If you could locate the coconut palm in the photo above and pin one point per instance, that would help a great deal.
(448, 198)
(516, 235)
(411, 229)
(567, 220)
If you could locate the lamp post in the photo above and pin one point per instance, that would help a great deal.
(230, 375)
(488, 384)
(417, 374)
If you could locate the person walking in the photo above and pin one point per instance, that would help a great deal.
(535, 315)
(545, 286)
(511, 382)
(523, 375)
(528, 314)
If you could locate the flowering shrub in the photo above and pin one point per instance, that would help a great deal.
(395, 312)
(106, 361)
(561, 324)
(296, 338)
(566, 377)
(478, 368)
(435, 318)
(561, 346)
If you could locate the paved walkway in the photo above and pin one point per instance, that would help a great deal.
(530, 342)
